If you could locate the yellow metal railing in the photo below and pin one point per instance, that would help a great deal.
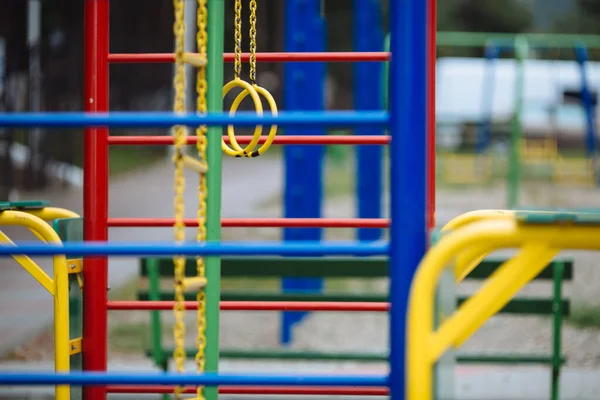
(57, 286)
(476, 235)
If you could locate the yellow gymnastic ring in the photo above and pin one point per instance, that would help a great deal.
(238, 151)
(272, 104)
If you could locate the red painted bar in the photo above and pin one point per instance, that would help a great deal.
(431, 116)
(260, 57)
(281, 140)
(333, 306)
(95, 191)
(256, 222)
(261, 390)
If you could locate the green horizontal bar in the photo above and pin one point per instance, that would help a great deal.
(324, 267)
(531, 306)
(507, 359)
(259, 296)
(480, 39)
(299, 355)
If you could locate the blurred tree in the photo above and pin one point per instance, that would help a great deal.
(484, 16)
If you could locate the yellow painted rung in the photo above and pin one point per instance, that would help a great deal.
(194, 283)
(75, 266)
(196, 60)
(194, 164)
(75, 346)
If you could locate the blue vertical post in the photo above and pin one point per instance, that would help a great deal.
(484, 134)
(589, 108)
(368, 36)
(304, 90)
(408, 127)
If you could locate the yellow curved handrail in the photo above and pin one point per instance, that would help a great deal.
(58, 285)
(538, 245)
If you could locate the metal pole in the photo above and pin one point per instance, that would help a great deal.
(95, 191)
(431, 116)
(216, 36)
(368, 36)
(516, 137)
(34, 22)
(408, 127)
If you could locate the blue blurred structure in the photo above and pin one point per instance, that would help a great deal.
(483, 133)
(305, 84)
(368, 36)
(588, 104)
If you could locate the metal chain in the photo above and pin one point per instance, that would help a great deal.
(179, 227)
(201, 107)
(252, 72)
(237, 35)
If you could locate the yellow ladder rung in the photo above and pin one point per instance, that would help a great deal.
(196, 60)
(195, 283)
(194, 164)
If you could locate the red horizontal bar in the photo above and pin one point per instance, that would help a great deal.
(353, 306)
(298, 139)
(256, 222)
(261, 390)
(338, 56)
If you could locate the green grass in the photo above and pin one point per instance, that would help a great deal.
(132, 338)
(124, 159)
(585, 316)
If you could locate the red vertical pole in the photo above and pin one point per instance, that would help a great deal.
(95, 191)
(431, 69)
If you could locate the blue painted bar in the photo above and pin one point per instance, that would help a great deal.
(207, 379)
(586, 100)
(167, 119)
(303, 194)
(408, 127)
(296, 249)
(484, 131)
(368, 36)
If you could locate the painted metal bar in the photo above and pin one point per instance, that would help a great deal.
(408, 127)
(484, 129)
(516, 135)
(168, 119)
(539, 40)
(368, 36)
(208, 379)
(334, 306)
(215, 45)
(589, 108)
(300, 248)
(281, 140)
(371, 223)
(262, 390)
(291, 56)
(431, 111)
(95, 191)
(304, 32)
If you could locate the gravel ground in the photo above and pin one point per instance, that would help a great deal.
(368, 332)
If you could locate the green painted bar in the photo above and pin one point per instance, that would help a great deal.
(516, 135)
(506, 359)
(479, 39)
(215, 46)
(333, 267)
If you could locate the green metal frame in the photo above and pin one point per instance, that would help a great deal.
(154, 269)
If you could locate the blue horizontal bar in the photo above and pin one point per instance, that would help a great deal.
(207, 379)
(306, 249)
(168, 119)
